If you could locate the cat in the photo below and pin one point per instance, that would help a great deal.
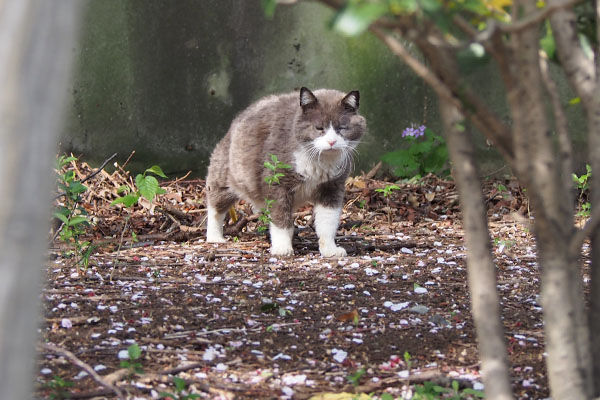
(316, 134)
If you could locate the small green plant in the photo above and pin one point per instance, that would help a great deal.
(265, 213)
(355, 378)
(74, 218)
(502, 242)
(180, 388)
(362, 203)
(387, 190)
(407, 360)
(58, 388)
(426, 153)
(271, 306)
(581, 182)
(147, 186)
(133, 365)
(432, 391)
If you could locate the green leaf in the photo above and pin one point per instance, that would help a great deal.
(355, 18)
(64, 161)
(64, 219)
(270, 166)
(430, 5)
(574, 101)
(547, 43)
(268, 7)
(155, 169)
(77, 220)
(127, 201)
(179, 384)
(473, 392)
(123, 188)
(148, 186)
(134, 351)
(77, 187)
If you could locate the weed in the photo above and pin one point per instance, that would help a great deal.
(387, 190)
(265, 213)
(180, 387)
(581, 182)
(426, 153)
(407, 360)
(133, 365)
(354, 378)
(74, 218)
(431, 391)
(146, 186)
(58, 388)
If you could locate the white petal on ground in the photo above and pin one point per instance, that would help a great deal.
(66, 323)
(123, 355)
(291, 380)
(339, 355)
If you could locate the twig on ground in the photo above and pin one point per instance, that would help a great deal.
(87, 368)
(100, 168)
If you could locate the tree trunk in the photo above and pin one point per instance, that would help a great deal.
(593, 118)
(485, 302)
(566, 328)
(36, 40)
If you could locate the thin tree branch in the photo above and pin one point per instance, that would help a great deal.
(447, 87)
(579, 69)
(86, 367)
(100, 168)
(536, 18)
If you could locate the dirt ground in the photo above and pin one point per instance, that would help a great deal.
(235, 323)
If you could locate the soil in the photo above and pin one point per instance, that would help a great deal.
(234, 322)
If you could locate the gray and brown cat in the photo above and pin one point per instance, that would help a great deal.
(316, 134)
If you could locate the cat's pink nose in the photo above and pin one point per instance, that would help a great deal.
(331, 142)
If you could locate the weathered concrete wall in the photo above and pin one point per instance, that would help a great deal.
(166, 78)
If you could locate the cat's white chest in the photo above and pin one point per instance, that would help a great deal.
(314, 172)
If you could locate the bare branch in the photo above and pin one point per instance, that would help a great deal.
(578, 67)
(536, 18)
(87, 368)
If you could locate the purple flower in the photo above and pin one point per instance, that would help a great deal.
(415, 131)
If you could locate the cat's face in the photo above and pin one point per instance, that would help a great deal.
(329, 125)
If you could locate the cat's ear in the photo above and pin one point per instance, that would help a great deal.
(350, 102)
(307, 99)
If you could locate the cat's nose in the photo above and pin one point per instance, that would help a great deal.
(331, 142)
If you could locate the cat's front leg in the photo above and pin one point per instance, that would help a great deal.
(281, 240)
(326, 224)
(281, 227)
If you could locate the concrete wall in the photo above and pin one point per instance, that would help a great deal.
(165, 78)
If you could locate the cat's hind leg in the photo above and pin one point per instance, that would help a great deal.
(327, 220)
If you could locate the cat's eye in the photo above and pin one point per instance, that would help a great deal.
(344, 127)
(319, 128)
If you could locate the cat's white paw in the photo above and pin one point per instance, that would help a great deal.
(333, 251)
(215, 238)
(281, 250)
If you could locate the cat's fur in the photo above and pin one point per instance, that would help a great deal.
(315, 134)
